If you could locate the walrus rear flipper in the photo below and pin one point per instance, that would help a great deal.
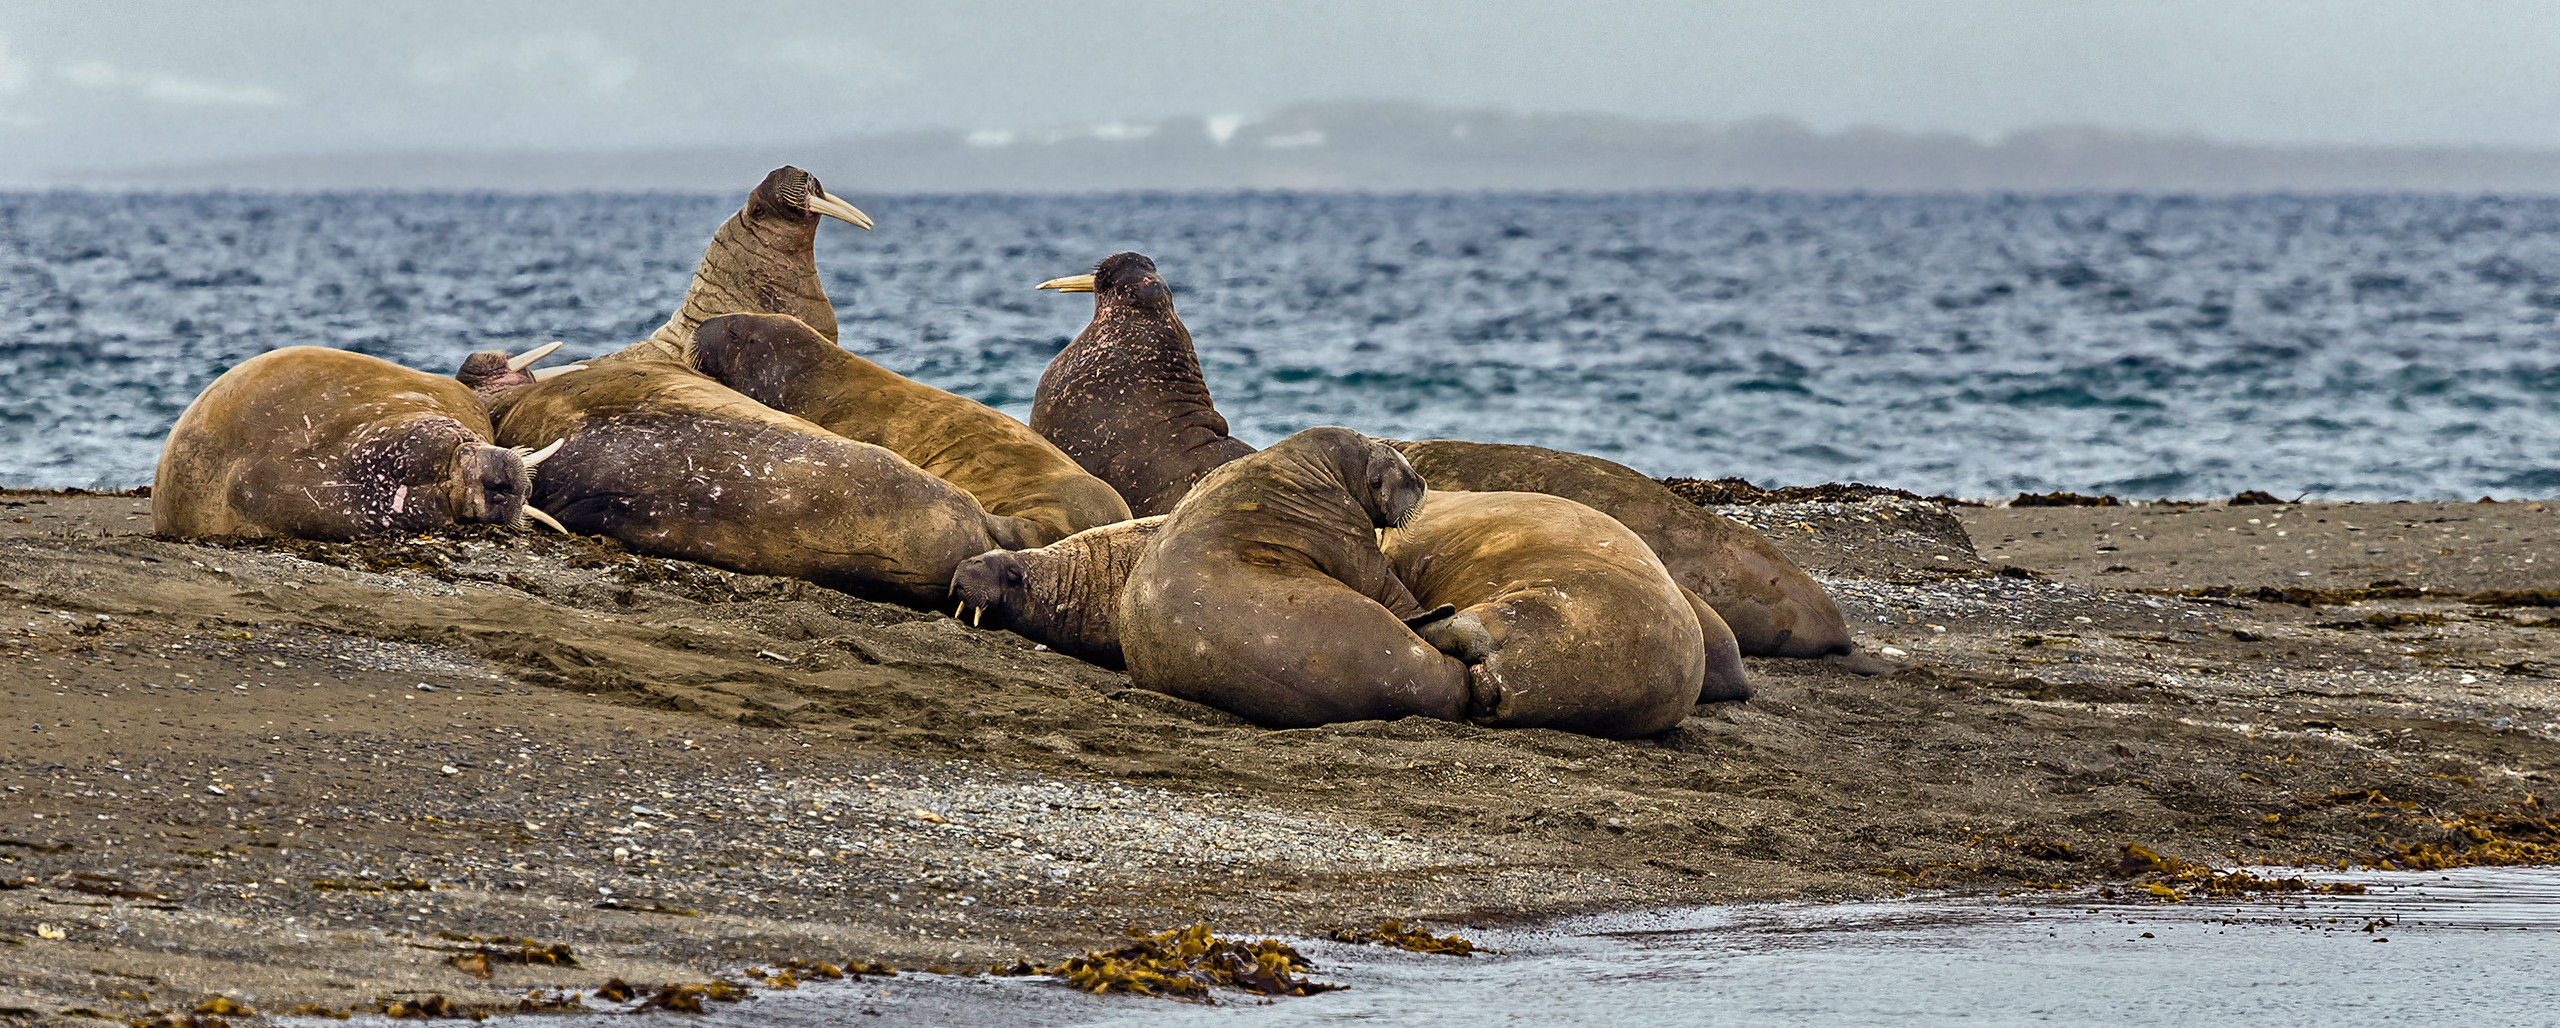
(1463, 636)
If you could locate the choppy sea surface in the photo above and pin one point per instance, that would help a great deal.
(2343, 347)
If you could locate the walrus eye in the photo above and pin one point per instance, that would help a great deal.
(1013, 578)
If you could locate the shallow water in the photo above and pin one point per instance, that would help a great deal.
(2345, 347)
(2470, 946)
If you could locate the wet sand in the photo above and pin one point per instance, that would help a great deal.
(328, 774)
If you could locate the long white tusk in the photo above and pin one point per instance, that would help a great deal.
(1070, 284)
(976, 615)
(533, 457)
(827, 204)
(536, 513)
(525, 360)
(958, 609)
(547, 374)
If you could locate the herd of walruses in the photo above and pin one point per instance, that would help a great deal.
(1328, 577)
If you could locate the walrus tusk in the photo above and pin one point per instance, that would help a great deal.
(533, 457)
(1070, 284)
(827, 204)
(958, 609)
(546, 374)
(976, 614)
(525, 360)
(536, 514)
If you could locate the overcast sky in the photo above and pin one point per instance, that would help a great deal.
(114, 83)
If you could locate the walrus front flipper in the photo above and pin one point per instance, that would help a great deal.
(1463, 636)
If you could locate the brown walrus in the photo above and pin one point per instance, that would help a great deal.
(787, 366)
(1264, 593)
(1586, 630)
(1126, 399)
(762, 260)
(1065, 595)
(1773, 607)
(317, 443)
(677, 465)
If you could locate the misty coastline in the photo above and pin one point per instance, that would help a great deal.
(1386, 147)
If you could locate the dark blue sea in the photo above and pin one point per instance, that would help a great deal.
(2340, 347)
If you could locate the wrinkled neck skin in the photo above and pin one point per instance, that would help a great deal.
(757, 265)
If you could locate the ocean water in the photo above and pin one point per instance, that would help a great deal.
(2340, 347)
(2471, 946)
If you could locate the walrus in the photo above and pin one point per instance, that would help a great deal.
(762, 260)
(1264, 592)
(1126, 399)
(677, 465)
(1065, 595)
(1773, 607)
(317, 443)
(1586, 630)
(781, 362)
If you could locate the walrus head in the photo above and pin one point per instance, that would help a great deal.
(791, 195)
(994, 581)
(1121, 280)
(1395, 486)
(494, 485)
(490, 373)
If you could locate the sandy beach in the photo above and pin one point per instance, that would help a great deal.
(487, 766)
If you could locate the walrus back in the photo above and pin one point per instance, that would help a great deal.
(1009, 468)
(1591, 634)
(318, 443)
(1774, 608)
(678, 465)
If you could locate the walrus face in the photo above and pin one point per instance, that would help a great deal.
(793, 195)
(1122, 279)
(991, 581)
(494, 485)
(1396, 489)
(739, 350)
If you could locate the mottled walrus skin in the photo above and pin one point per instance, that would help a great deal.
(317, 443)
(788, 366)
(762, 260)
(1126, 399)
(1065, 595)
(1587, 631)
(1773, 607)
(1265, 594)
(677, 465)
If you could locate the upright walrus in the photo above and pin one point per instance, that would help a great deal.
(1773, 607)
(1587, 631)
(1265, 594)
(674, 464)
(1126, 399)
(317, 443)
(786, 365)
(762, 260)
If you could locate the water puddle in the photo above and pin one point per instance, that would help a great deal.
(2420, 948)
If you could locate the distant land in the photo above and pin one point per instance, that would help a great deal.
(1392, 147)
